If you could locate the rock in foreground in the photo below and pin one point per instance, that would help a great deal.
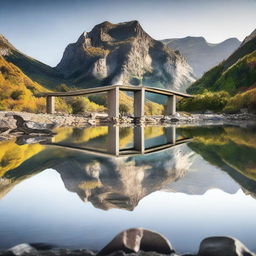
(137, 242)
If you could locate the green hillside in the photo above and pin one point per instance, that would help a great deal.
(226, 147)
(20, 93)
(234, 75)
(220, 101)
(34, 69)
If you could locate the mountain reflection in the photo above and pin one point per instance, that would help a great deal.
(114, 167)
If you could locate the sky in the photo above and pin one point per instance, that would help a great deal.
(43, 28)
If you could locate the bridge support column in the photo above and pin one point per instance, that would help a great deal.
(113, 102)
(50, 104)
(139, 140)
(113, 140)
(139, 101)
(171, 105)
(171, 134)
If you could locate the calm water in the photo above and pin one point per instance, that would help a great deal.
(84, 186)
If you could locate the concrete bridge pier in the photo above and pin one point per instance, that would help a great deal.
(171, 134)
(50, 104)
(139, 102)
(139, 139)
(113, 102)
(171, 105)
(113, 140)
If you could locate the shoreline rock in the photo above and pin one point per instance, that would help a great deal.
(14, 124)
(137, 242)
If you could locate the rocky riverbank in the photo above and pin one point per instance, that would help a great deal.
(138, 242)
(13, 124)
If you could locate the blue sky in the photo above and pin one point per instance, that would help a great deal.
(43, 28)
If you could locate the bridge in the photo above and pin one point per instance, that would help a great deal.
(113, 143)
(113, 98)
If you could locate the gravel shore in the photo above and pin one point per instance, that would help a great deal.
(37, 123)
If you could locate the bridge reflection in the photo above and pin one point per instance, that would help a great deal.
(138, 147)
(88, 168)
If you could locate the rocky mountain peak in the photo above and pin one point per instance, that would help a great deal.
(107, 33)
(133, 28)
(123, 53)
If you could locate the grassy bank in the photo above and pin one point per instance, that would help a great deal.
(220, 102)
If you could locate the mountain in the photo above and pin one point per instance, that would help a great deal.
(123, 54)
(236, 74)
(19, 92)
(121, 183)
(35, 70)
(200, 54)
(111, 53)
(202, 177)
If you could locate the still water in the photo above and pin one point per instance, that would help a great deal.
(82, 187)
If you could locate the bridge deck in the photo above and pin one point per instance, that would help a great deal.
(121, 152)
(121, 87)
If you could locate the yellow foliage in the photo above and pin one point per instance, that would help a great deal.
(241, 138)
(90, 184)
(18, 92)
(153, 131)
(231, 134)
(126, 134)
(246, 99)
(92, 106)
(151, 108)
(12, 155)
(91, 133)
(85, 135)
(62, 134)
(97, 51)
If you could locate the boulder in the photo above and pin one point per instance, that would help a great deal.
(26, 139)
(7, 124)
(22, 249)
(31, 127)
(223, 246)
(138, 239)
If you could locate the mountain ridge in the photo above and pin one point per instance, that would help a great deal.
(235, 74)
(34, 69)
(200, 54)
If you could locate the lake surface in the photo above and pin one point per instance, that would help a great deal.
(82, 187)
